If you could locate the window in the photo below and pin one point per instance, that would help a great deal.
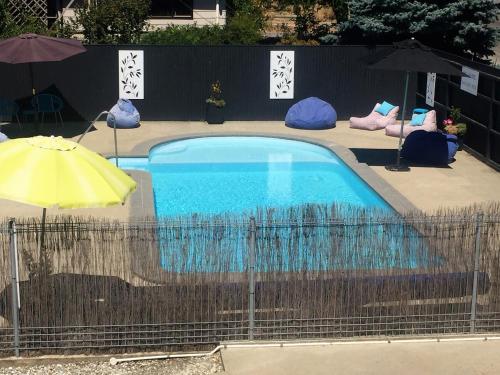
(172, 8)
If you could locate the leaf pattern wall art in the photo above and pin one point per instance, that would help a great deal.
(131, 74)
(282, 74)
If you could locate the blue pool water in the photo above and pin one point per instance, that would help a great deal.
(213, 175)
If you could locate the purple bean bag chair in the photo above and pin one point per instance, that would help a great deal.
(423, 147)
(311, 113)
(126, 115)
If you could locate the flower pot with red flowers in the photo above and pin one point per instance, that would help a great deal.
(452, 126)
(215, 105)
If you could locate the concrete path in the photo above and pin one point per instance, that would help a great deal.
(443, 358)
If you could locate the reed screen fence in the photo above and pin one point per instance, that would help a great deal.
(301, 273)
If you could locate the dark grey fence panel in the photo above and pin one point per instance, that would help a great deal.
(481, 112)
(177, 81)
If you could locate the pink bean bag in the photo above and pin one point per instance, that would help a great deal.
(375, 120)
(429, 125)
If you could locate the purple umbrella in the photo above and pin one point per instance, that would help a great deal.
(31, 48)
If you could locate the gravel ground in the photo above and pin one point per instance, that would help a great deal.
(188, 366)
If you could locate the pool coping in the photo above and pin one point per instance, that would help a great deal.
(142, 204)
(393, 197)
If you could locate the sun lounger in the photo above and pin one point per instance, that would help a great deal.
(375, 120)
(429, 125)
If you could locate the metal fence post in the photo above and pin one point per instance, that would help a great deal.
(14, 269)
(477, 256)
(251, 280)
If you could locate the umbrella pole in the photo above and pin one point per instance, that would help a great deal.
(116, 140)
(40, 243)
(33, 93)
(398, 167)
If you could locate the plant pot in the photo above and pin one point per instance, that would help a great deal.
(214, 114)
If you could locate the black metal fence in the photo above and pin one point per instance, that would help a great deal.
(177, 81)
(481, 112)
(307, 272)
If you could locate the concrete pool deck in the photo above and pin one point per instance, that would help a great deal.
(409, 358)
(466, 181)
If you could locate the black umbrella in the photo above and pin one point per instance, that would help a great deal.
(409, 56)
(32, 48)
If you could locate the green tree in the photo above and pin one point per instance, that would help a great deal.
(113, 21)
(458, 26)
(307, 25)
(250, 8)
(26, 23)
(341, 9)
(243, 29)
(4, 16)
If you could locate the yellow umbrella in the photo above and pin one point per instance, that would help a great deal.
(55, 172)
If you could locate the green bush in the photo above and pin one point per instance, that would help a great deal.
(113, 21)
(185, 35)
(26, 24)
(243, 29)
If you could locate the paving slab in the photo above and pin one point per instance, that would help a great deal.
(437, 358)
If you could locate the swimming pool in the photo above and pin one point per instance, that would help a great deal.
(214, 175)
(236, 175)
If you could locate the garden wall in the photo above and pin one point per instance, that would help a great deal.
(177, 81)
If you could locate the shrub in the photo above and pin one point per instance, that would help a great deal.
(243, 29)
(185, 35)
(113, 21)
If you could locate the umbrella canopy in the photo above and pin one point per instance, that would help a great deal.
(54, 172)
(411, 56)
(30, 48)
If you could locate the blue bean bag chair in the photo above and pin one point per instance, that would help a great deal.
(452, 146)
(126, 115)
(311, 113)
(3, 137)
(424, 147)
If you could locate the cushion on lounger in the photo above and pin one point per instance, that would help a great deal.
(126, 115)
(424, 147)
(417, 120)
(385, 108)
(311, 113)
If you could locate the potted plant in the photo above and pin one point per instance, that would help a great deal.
(215, 105)
(453, 127)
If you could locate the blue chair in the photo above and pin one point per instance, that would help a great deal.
(9, 109)
(48, 103)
